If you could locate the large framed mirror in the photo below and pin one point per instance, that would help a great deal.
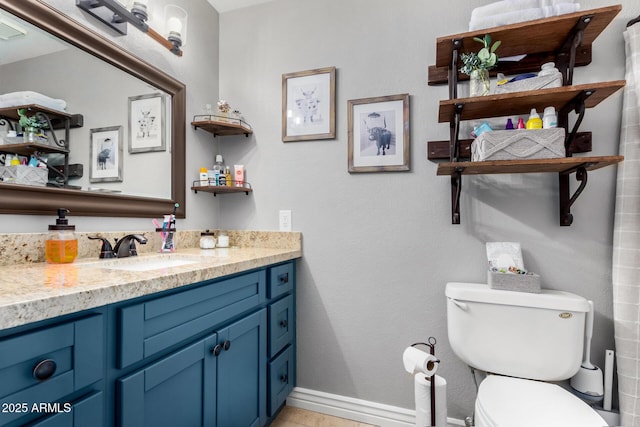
(25, 199)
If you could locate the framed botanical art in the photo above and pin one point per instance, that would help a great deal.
(106, 154)
(378, 135)
(147, 123)
(308, 105)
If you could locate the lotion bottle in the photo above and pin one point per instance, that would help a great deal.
(534, 122)
(61, 246)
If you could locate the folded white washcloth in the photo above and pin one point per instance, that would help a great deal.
(503, 6)
(506, 18)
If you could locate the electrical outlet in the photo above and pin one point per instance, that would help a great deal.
(285, 220)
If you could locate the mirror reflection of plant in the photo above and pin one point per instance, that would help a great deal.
(485, 59)
(30, 121)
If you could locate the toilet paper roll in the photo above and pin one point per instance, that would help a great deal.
(416, 360)
(422, 389)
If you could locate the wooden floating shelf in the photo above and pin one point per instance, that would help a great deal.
(215, 189)
(222, 126)
(560, 165)
(26, 149)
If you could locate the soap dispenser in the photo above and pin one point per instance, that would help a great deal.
(61, 246)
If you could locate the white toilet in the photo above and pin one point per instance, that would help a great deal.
(521, 340)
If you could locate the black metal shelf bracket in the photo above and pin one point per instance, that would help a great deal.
(578, 106)
(453, 68)
(456, 190)
(566, 201)
(566, 57)
(454, 133)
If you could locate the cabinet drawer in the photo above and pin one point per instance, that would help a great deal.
(281, 324)
(281, 279)
(46, 365)
(150, 327)
(88, 411)
(280, 379)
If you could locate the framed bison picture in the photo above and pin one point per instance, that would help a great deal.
(147, 123)
(308, 105)
(379, 134)
(106, 154)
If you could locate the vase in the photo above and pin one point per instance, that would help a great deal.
(479, 83)
(30, 134)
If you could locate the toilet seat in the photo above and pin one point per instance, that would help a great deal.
(507, 402)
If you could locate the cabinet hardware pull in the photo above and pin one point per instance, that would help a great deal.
(284, 378)
(284, 278)
(226, 345)
(283, 324)
(44, 369)
(216, 350)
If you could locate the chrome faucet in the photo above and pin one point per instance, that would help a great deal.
(125, 246)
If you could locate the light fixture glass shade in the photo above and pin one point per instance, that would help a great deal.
(176, 24)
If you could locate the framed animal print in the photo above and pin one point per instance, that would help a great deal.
(105, 153)
(379, 134)
(147, 123)
(309, 105)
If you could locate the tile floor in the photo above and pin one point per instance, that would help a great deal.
(296, 417)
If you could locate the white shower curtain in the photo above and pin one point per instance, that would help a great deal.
(626, 241)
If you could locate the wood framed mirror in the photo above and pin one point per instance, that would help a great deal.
(24, 199)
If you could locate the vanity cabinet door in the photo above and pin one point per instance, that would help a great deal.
(242, 389)
(179, 390)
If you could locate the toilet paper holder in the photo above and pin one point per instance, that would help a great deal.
(431, 343)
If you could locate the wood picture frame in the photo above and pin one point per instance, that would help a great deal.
(378, 135)
(309, 105)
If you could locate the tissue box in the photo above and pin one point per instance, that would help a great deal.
(519, 144)
(533, 83)
(22, 174)
(514, 282)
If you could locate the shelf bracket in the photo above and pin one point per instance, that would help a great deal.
(566, 56)
(566, 201)
(453, 68)
(456, 189)
(578, 105)
(454, 133)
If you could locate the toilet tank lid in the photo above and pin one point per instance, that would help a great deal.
(547, 298)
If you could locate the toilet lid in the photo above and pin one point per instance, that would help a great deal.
(508, 402)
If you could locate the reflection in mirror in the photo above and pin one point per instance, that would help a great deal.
(131, 141)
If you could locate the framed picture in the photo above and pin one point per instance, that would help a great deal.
(309, 105)
(146, 123)
(106, 154)
(379, 134)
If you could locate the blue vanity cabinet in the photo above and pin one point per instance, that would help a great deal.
(282, 326)
(52, 374)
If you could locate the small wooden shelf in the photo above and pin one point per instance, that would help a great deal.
(510, 104)
(222, 126)
(26, 149)
(246, 188)
(560, 165)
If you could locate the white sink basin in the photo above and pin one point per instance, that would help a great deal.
(147, 263)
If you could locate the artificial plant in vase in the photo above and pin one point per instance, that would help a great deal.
(477, 65)
(31, 126)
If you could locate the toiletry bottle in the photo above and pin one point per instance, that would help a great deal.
(238, 171)
(520, 123)
(549, 118)
(204, 176)
(61, 246)
(227, 176)
(218, 169)
(509, 125)
(534, 122)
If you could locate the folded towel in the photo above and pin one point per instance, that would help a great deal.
(505, 19)
(16, 99)
(503, 6)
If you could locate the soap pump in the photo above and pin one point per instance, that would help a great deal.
(61, 246)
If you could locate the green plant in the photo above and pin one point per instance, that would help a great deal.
(485, 59)
(30, 121)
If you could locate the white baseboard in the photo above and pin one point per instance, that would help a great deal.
(356, 409)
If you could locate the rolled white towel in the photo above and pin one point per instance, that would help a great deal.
(506, 19)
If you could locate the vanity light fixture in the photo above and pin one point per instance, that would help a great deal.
(116, 16)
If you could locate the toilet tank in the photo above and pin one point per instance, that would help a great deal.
(525, 335)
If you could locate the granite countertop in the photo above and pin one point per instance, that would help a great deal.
(31, 292)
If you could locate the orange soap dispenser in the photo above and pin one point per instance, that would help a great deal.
(61, 246)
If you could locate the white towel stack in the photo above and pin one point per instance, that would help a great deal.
(506, 12)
